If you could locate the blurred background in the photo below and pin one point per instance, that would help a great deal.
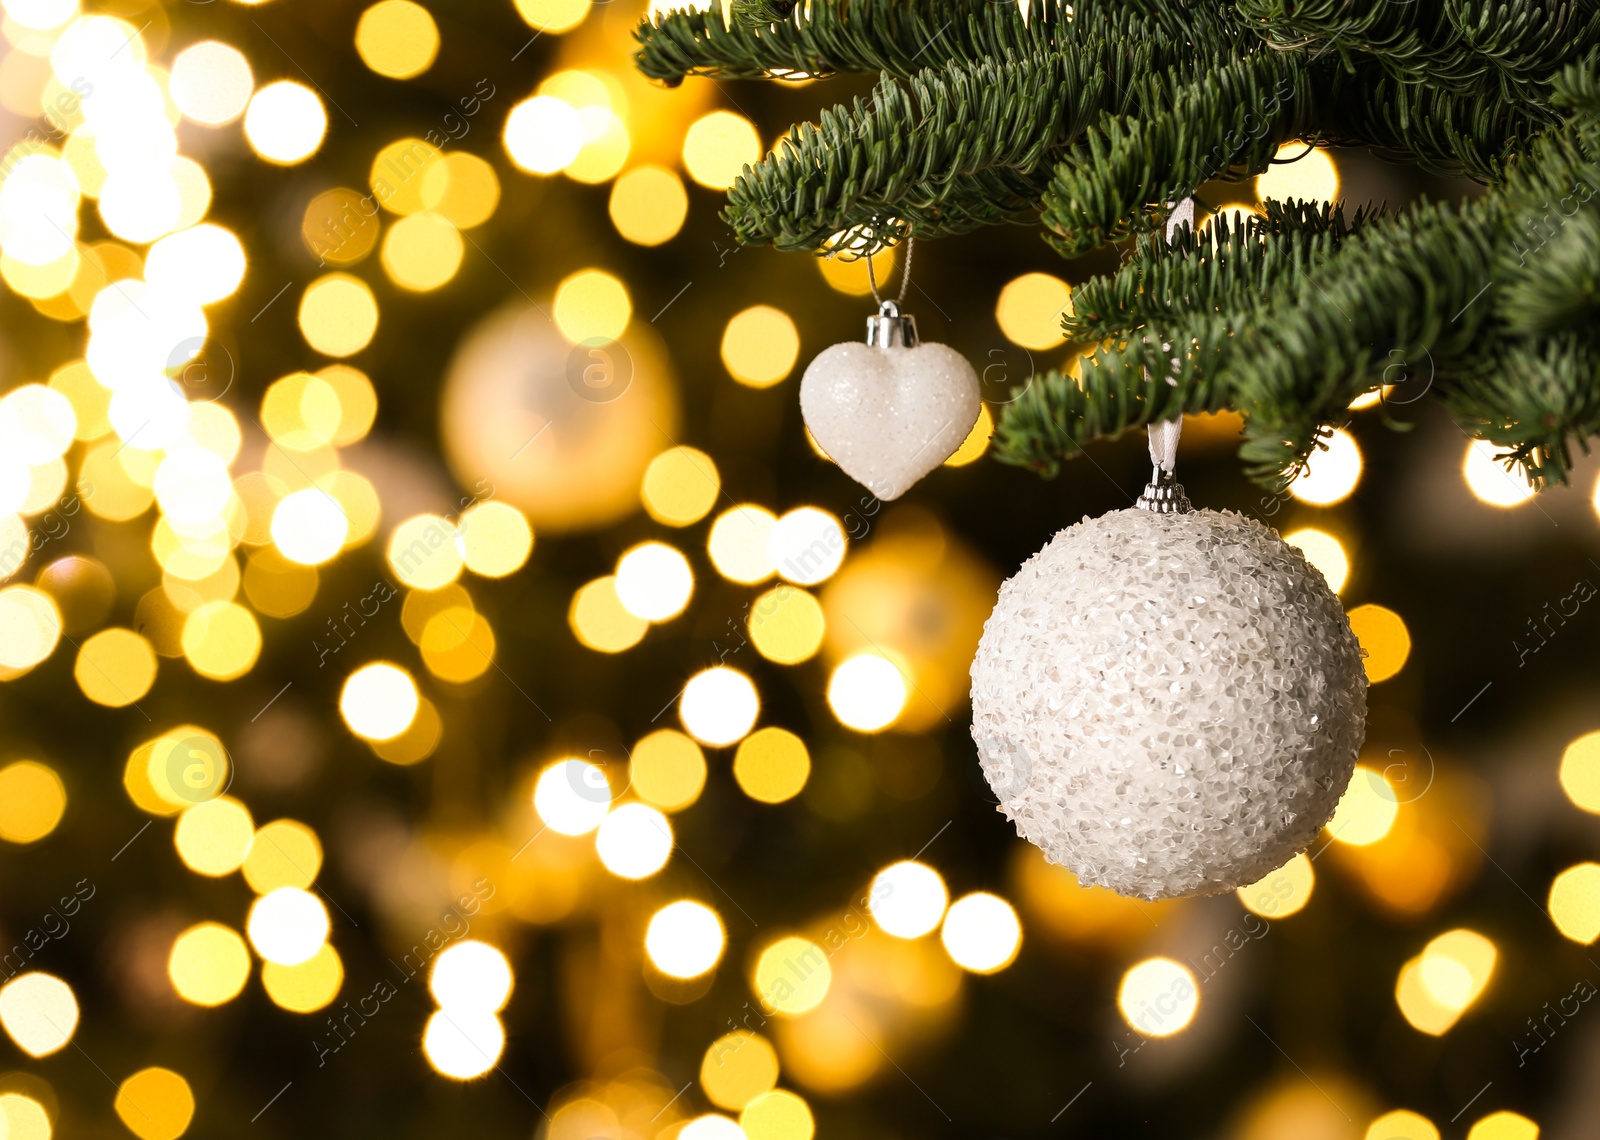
(445, 693)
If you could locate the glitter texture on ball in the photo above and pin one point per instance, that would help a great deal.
(1168, 704)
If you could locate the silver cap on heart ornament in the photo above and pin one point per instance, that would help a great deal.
(890, 328)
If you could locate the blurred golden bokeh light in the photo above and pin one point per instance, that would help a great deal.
(1283, 892)
(592, 305)
(1383, 634)
(1575, 902)
(654, 581)
(981, 933)
(648, 205)
(667, 770)
(1306, 174)
(1030, 308)
(740, 544)
(685, 939)
(1158, 997)
(908, 899)
(211, 83)
(155, 1104)
(680, 486)
(285, 122)
(719, 705)
(1580, 772)
(1331, 473)
(1367, 809)
(32, 801)
(209, 964)
(718, 146)
(737, 1068)
(1401, 1124)
(471, 975)
(379, 701)
(771, 765)
(213, 838)
(760, 346)
(1504, 1126)
(397, 39)
(600, 621)
(307, 987)
(867, 692)
(786, 625)
(1323, 551)
(283, 853)
(572, 796)
(1489, 480)
(792, 976)
(778, 1115)
(288, 925)
(39, 1012)
(634, 841)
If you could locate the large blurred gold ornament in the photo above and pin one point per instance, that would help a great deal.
(917, 594)
(563, 431)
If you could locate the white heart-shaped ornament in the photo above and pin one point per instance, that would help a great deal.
(889, 415)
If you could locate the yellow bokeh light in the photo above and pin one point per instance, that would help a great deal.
(718, 146)
(792, 976)
(760, 346)
(192, 487)
(786, 625)
(463, 1043)
(1367, 809)
(397, 38)
(977, 441)
(398, 175)
(155, 1104)
(26, 1117)
(214, 837)
(599, 620)
(772, 765)
(284, 853)
(572, 796)
(202, 264)
(309, 526)
(417, 742)
(740, 544)
(1030, 308)
(1489, 480)
(1455, 968)
(422, 251)
(552, 15)
(807, 545)
(457, 645)
(1283, 892)
(179, 768)
(32, 801)
(307, 987)
(737, 1068)
(338, 314)
(1158, 997)
(719, 705)
(1383, 635)
(496, 539)
(90, 400)
(285, 122)
(39, 1012)
(209, 964)
(1504, 1126)
(1401, 1125)
(680, 486)
(648, 205)
(908, 899)
(543, 134)
(685, 939)
(668, 770)
(1575, 902)
(592, 305)
(634, 842)
(287, 925)
(1323, 551)
(848, 275)
(276, 586)
(867, 692)
(211, 83)
(1580, 772)
(654, 581)
(424, 554)
(778, 1115)
(221, 640)
(1308, 176)
(379, 701)
(41, 15)
(1331, 473)
(30, 627)
(462, 188)
(981, 933)
(471, 975)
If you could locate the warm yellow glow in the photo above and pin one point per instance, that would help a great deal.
(1504, 1126)
(309, 526)
(284, 853)
(209, 964)
(379, 701)
(338, 314)
(1489, 480)
(1030, 308)
(424, 554)
(463, 1043)
(737, 1068)
(1383, 634)
(471, 975)
(654, 581)
(634, 842)
(461, 187)
(41, 15)
(718, 146)
(572, 796)
(155, 1104)
(1367, 809)
(277, 587)
(184, 766)
(221, 640)
(213, 837)
(760, 346)
(496, 539)
(1418, 1006)
(39, 1012)
(1311, 178)
(398, 174)
(552, 15)
(711, 1126)
(740, 544)
(1401, 1125)
(867, 692)
(397, 38)
(908, 899)
(30, 626)
(308, 987)
(543, 134)
(1283, 892)
(1323, 551)
(719, 705)
(792, 976)
(772, 765)
(680, 486)
(981, 933)
(849, 276)
(778, 1115)
(285, 122)
(211, 83)
(668, 770)
(38, 209)
(32, 801)
(807, 545)
(685, 939)
(1158, 997)
(592, 305)
(786, 625)
(648, 205)
(27, 1118)
(1455, 967)
(1575, 902)
(115, 667)
(1580, 772)
(200, 265)
(422, 251)
(287, 925)
(192, 487)
(1330, 475)
(599, 621)
(977, 441)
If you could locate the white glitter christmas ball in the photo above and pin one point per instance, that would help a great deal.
(1168, 704)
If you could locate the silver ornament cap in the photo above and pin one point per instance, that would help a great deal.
(891, 328)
